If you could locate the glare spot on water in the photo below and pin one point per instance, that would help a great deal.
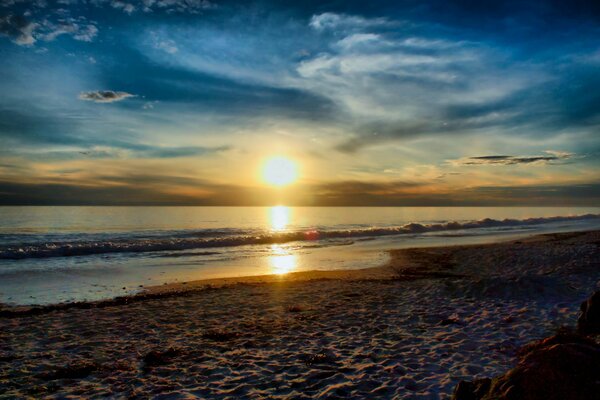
(281, 260)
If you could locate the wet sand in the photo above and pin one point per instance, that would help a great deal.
(410, 329)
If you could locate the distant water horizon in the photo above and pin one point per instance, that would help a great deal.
(51, 254)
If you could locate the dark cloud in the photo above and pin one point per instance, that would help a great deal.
(346, 188)
(551, 157)
(587, 194)
(19, 29)
(71, 194)
(128, 189)
(132, 189)
(26, 32)
(401, 193)
(104, 96)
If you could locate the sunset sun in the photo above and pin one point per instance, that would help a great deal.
(279, 171)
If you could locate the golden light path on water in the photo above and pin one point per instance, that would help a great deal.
(281, 260)
(279, 217)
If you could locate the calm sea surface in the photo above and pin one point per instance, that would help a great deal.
(55, 254)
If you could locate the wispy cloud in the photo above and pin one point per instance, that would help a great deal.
(169, 6)
(167, 45)
(78, 29)
(335, 21)
(137, 151)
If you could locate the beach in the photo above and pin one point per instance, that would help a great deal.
(412, 328)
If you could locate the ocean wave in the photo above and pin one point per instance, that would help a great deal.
(201, 239)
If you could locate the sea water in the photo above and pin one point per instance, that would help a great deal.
(57, 254)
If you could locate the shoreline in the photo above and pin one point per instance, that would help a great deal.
(33, 281)
(404, 264)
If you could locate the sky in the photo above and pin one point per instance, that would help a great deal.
(380, 103)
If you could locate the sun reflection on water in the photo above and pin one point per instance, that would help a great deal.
(282, 260)
(279, 217)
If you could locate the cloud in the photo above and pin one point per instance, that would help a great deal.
(78, 29)
(166, 45)
(26, 33)
(18, 29)
(411, 81)
(73, 194)
(333, 21)
(396, 84)
(51, 21)
(126, 7)
(149, 105)
(104, 96)
(86, 34)
(129, 150)
(120, 151)
(191, 6)
(358, 39)
(175, 152)
(168, 6)
(157, 189)
(550, 158)
(376, 132)
(586, 194)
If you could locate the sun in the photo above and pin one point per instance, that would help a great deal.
(279, 171)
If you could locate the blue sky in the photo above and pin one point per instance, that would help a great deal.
(379, 103)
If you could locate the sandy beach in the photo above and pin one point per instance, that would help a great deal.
(410, 329)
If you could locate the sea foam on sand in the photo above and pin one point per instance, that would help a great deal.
(413, 329)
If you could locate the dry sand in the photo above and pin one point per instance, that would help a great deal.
(411, 329)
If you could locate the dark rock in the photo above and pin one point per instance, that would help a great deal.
(562, 367)
(475, 390)
(563, 337)
(589, 320)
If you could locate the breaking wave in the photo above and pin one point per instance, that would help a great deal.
(230, 238)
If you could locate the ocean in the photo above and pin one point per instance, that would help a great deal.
(58, 254)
